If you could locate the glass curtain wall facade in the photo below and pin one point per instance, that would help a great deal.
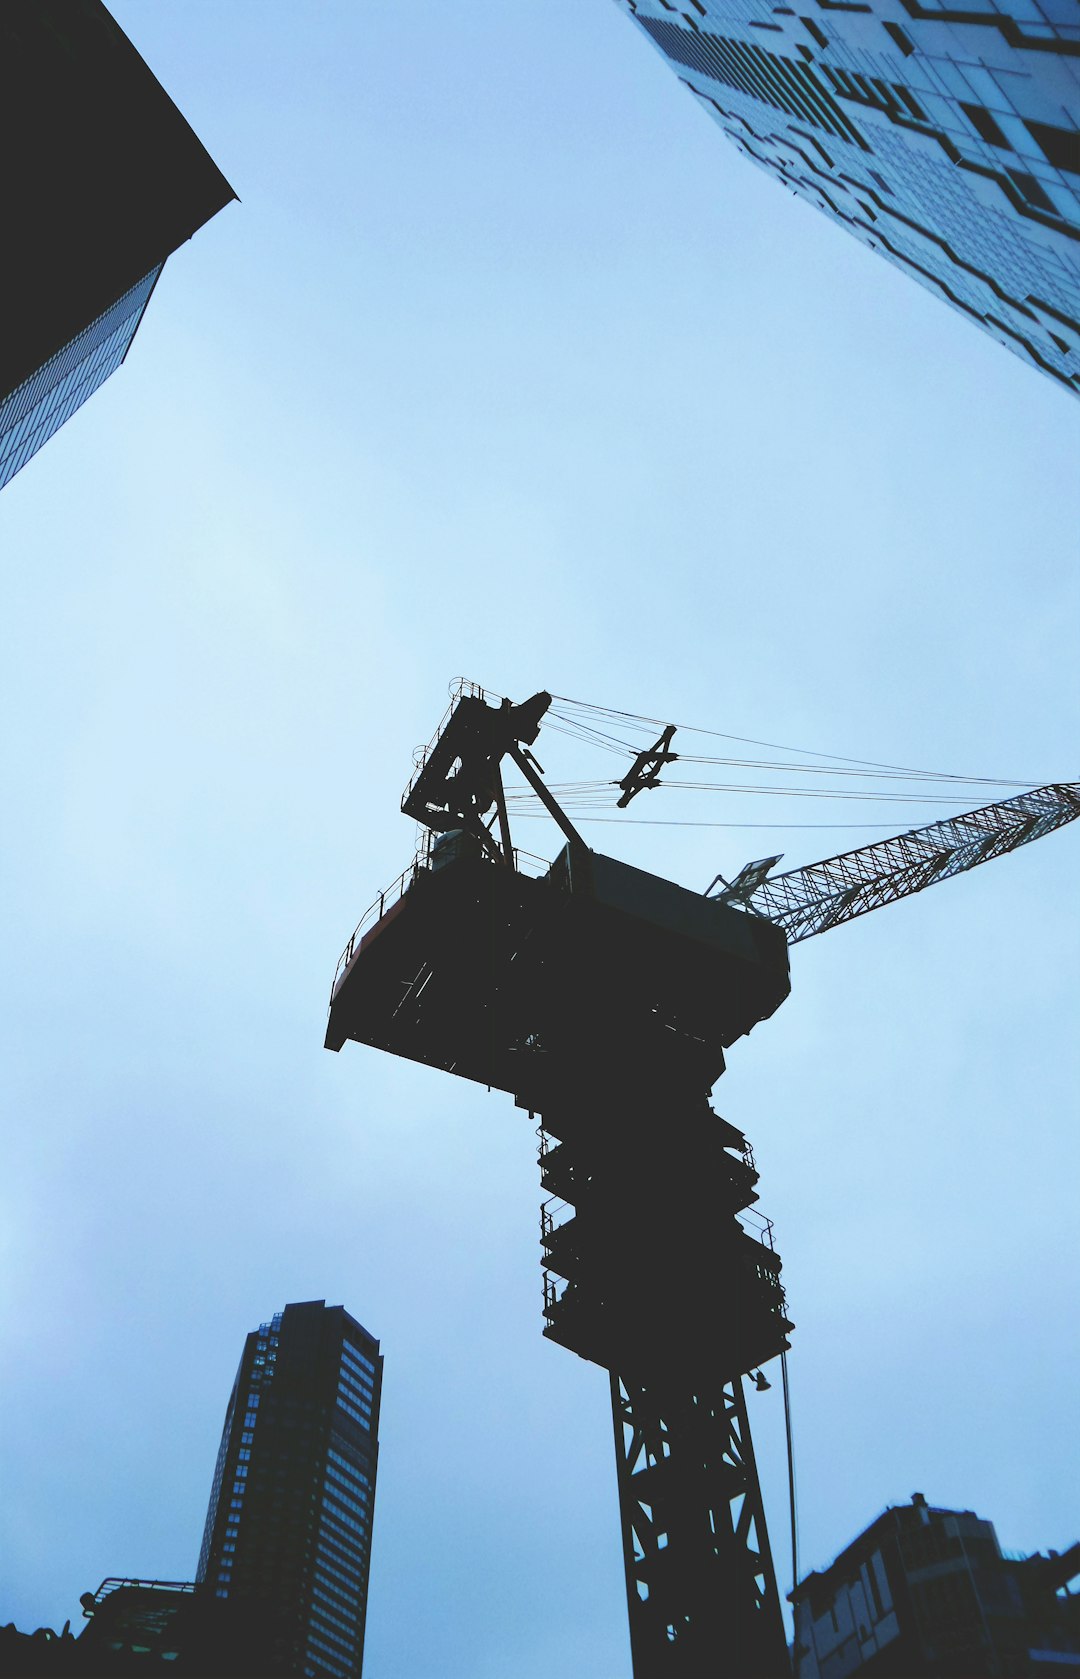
(39, 406)
(289, 1521)
(945, 134)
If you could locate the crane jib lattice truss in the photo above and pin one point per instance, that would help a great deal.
(822, 895)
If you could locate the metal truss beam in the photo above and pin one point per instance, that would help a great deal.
(811, 900)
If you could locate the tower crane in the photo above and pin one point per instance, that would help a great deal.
(603, 998)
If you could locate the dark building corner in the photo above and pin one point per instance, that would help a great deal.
(114, 182)
(928, 1592)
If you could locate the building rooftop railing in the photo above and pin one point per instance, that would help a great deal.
(114, 1582)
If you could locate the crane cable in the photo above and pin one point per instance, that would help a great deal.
(606, 729)
(588, 793)
(793, 1510)
(858, 766)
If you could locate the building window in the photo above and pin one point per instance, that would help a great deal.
(1060, 146)
(1030, 189)
(984, 125)
(911, 102)
(903, 41)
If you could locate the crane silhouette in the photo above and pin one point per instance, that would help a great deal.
(603, 998)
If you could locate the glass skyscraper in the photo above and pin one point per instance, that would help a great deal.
(945, 134)
(105, 181)
(37, 408)
(288, 1527)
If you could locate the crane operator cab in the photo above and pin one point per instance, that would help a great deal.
(449, 847)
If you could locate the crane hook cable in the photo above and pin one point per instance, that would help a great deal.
(793, 1510)
(864, 764)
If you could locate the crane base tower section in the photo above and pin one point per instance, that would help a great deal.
(603, 998)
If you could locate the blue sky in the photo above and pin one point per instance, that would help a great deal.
(506, 366)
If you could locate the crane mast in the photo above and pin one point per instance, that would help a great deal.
(603, 999)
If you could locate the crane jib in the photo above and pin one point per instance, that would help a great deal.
(822, 895)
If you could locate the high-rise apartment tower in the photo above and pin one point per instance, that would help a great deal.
(289, 1522)
(103, 180)
(945, 134)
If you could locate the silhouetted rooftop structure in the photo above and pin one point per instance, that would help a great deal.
(927, 1593)
(147, 1626)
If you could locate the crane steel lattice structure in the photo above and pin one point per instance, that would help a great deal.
(603, 998)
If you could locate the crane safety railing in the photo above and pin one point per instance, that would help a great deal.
(760, 1230)
(460, 689)
(554, 1213)
(553, 1294)
(755, 1224)
(372, 915)
(116, 1581)
(555, 1286)
(525, 862)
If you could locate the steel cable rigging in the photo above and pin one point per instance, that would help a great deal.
(864, 781)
